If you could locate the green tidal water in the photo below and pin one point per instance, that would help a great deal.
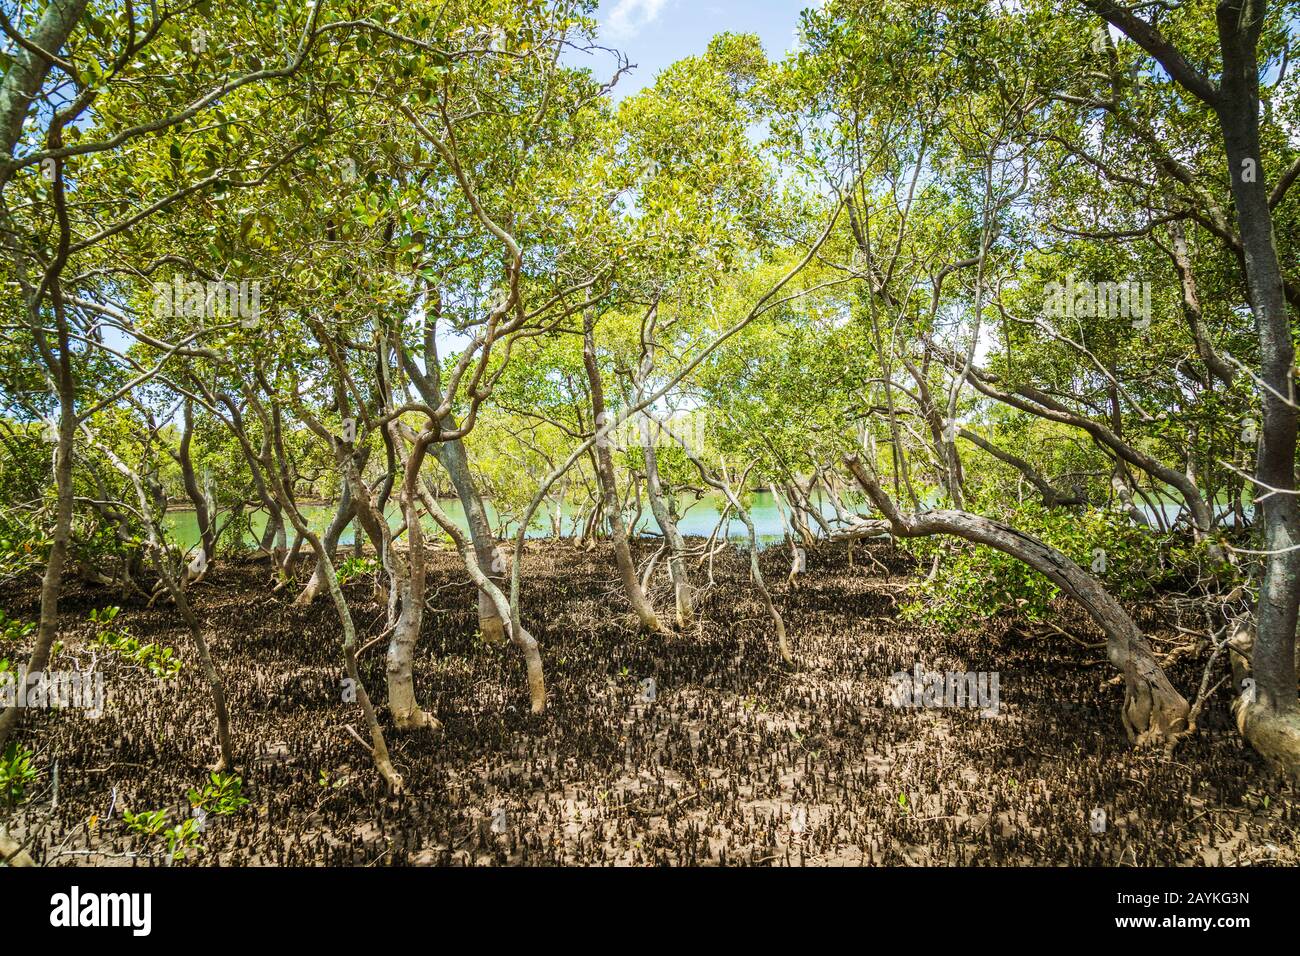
(696, 519)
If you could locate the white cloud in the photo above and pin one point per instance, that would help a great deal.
(629, 17)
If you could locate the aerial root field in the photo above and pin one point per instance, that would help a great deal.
(696, 748)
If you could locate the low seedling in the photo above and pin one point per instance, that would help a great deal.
(16, 774)
(183, 838)
(146, 822)
(222, 796)
(12, 630)
(180, 839)
(355, 567)
(159, 660)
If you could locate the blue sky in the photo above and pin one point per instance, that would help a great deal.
(656, 33)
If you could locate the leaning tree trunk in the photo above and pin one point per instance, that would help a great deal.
(378, 745)
(342, 516)
(409, 578)
(1119, 483)
(609, 490)
(456, 463)
(52, 582)
(526, 643)
(1154, 712)
(28, 69)
(662, 510)
(207, 534)
(176, 589)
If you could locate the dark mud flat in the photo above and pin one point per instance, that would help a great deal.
(732, 750)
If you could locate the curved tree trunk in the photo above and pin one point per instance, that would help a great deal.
(409, 577)
(950, 474)
(378, 745)
(52, 582)
(1119, 483)
(1215, 364)
(456, 463)
(27, 70)
(663, 513)
(1052, 496)
(342, 516)
(207, 534)
(283, 494)
(176, 589)
(609, 489)
(1153, 712)
(1037, 402)
(451, 454)
(526, 643)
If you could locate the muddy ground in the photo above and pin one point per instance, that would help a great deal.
(736, 761)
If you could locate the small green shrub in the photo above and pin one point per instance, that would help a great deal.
(159, 660)
(179, 839)
(16, 774)
(182, 839)
(103, 616)
(146, 822)
(355, 567)
(24, 543)
(12, 631)
(222, 796)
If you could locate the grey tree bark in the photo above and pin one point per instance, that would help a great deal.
(662, 509)
(343, 515)
(609, 489)
(198, 499)
(453, 457)
(409, 575)
(29, 67)
(1271, 722)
